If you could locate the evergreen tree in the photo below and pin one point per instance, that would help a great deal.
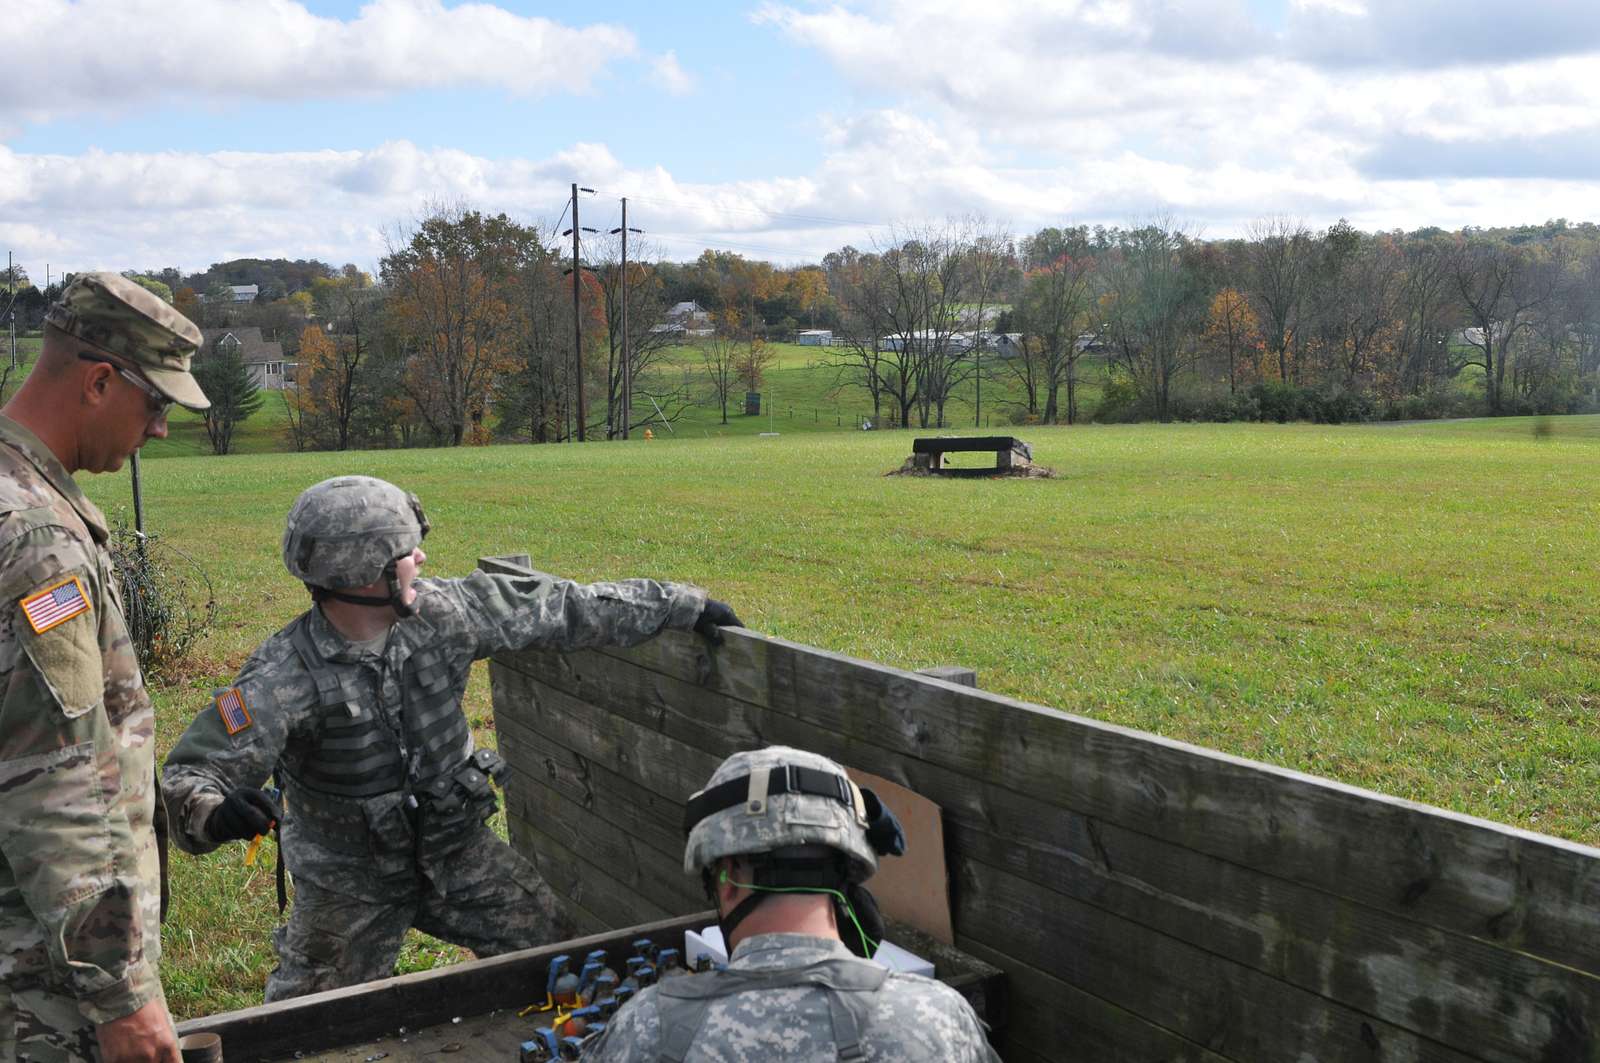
(222, 375)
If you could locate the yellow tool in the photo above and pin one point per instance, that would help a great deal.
(253, 849)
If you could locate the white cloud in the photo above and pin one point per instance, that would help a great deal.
(70, 55)
(671, 76)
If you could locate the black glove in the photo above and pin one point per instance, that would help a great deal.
(244, 813)
(715, 614)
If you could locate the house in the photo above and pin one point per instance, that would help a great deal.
(244, 293)
(263, 359)
(814, 337)
(689, 314)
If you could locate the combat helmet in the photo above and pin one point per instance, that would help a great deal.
(801, 824)
(348, 532)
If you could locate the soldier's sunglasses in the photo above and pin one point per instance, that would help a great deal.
(159, 404)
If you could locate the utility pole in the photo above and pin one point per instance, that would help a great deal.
(577, 311)
(577, 318)
(627, 357)
(11, 312)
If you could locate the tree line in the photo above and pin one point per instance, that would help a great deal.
(467, 331)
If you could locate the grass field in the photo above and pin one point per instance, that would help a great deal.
(1403, 607)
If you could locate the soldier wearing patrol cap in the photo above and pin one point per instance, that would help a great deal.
(783, 840)
(355, 707)
(80, 886)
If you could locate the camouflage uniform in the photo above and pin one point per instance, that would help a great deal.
(777, 1007)
(80, 930)
(353, 733)
(792, 997)
(80, 866)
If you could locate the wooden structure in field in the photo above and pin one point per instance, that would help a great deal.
(1147, 899)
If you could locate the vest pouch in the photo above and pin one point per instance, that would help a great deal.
(388, 823)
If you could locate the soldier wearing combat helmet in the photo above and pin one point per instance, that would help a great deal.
(355, 707)
(80, 882)
(783, 840)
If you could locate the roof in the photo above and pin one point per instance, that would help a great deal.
(253, 347)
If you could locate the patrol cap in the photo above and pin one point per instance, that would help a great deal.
(113, 314)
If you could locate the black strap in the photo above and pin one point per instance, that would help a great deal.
(277, 831)
(785, 779)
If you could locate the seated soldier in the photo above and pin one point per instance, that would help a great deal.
(783, 840)
(355, 707)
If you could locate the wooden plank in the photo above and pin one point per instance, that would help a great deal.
(1469, 876)
(1233, 1010)
(1054, 1020)
(944, 444)
(547, 742)
(597, 900)
(547, 707)
(602, 793)
(362, 1012)
(631, 866)
(1440, 985)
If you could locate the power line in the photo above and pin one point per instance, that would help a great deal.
(729, 245)
(686, 201)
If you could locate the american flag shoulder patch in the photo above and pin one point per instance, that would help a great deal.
(54, 605)
(234, 712)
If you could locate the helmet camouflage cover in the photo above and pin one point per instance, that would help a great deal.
(785, 819)
(345, 531)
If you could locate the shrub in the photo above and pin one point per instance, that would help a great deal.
(167, 599)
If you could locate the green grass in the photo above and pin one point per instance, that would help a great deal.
(1406, 608)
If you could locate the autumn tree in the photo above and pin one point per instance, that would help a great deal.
(1233, 336)
(751, 364)
(453, 284)
(1057, 301)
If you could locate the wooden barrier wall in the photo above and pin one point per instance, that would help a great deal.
(1148, 899)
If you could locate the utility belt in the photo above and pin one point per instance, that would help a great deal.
(434, 818)
(441, 811)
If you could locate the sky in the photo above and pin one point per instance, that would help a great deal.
(141, 134)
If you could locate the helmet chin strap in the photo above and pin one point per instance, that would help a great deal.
(395, 600)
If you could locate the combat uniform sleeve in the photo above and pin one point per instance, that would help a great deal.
(64, 828)
(509, 612)
(234, 741)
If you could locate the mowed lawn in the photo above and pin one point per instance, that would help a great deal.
(1406, 608)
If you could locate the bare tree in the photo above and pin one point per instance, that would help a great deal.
(1277, 264)
(721, 353)
(1499, 286)
(859, 284)
(1154, 310)
(646, 343)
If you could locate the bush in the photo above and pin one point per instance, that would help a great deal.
(167, 599)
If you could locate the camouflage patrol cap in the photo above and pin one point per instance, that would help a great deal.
(114, 315)
(783, 819)
(344, 532)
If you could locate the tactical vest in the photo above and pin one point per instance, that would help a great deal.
(851, 987)
(361, 788)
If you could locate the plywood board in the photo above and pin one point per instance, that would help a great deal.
(913, 888)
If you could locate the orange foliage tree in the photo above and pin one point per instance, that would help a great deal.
(455, 290)
(1233, 335)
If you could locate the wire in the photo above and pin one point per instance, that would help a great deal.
(730, 245)
(866, 942)
(769, 213)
